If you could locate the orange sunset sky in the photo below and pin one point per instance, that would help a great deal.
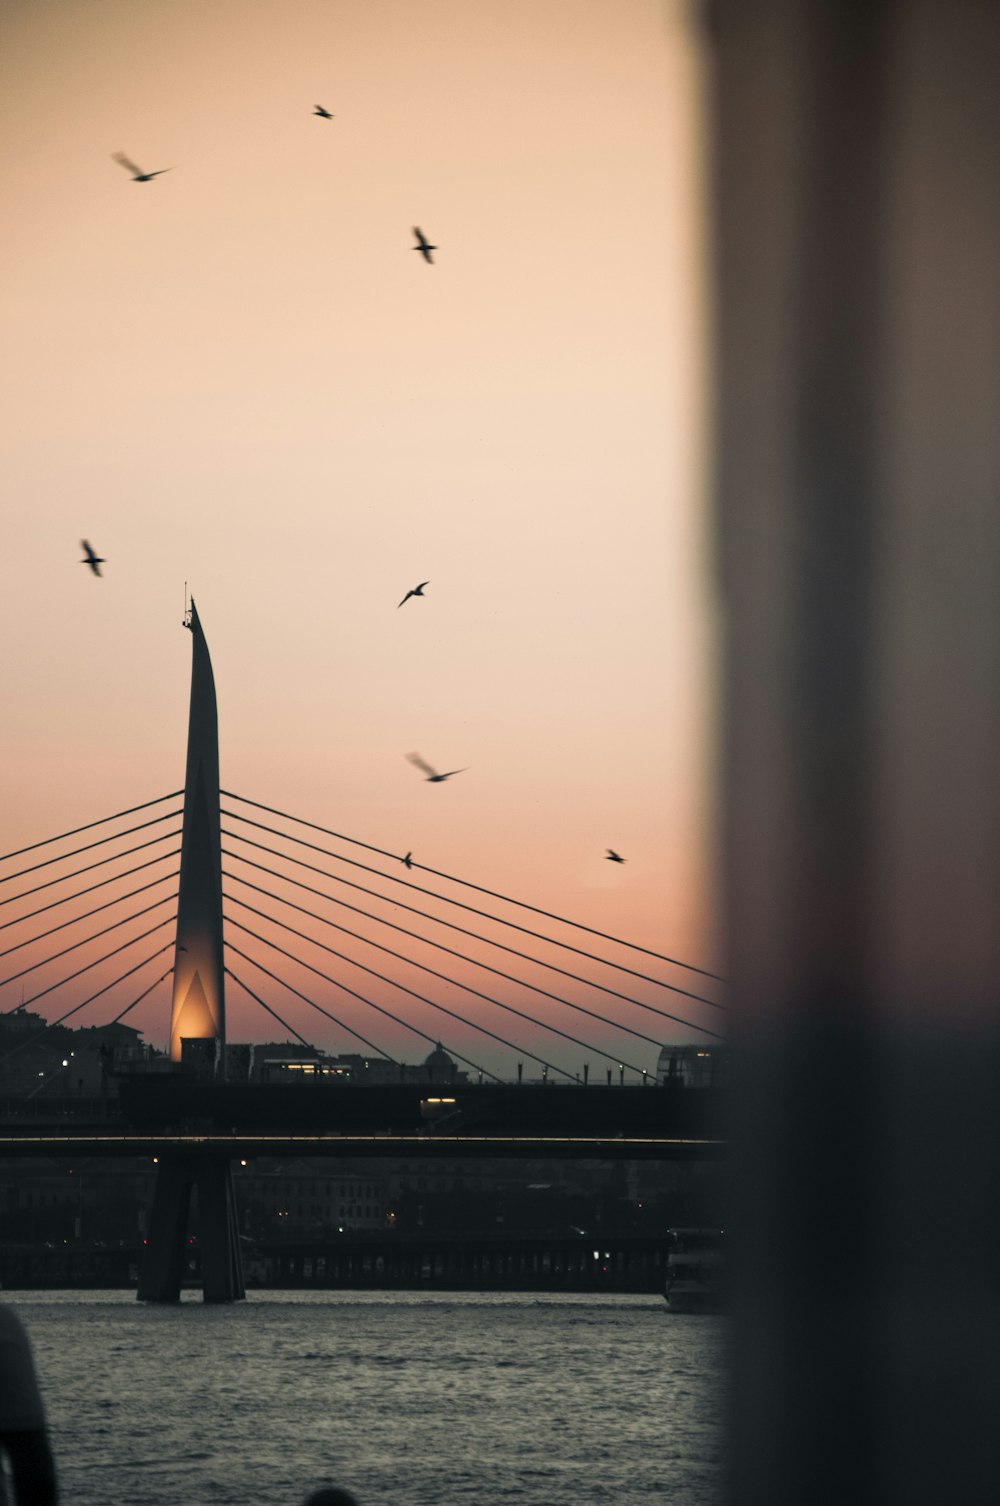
(241, 376)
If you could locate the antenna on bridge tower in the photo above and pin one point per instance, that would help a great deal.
(186, 620)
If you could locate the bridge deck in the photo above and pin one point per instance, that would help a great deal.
(160, 1115)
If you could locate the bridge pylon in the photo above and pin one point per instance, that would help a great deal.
(198, 1008)
(197, 1012)
(167, 1252)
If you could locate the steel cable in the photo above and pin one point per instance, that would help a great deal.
(452, 878)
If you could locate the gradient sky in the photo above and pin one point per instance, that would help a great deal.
(241, 376)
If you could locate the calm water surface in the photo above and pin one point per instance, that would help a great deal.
(403, 1398)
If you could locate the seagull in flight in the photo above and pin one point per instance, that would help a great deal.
(408, 860)
(432, 774)
(417, 591)
(138, 176)
(614, 857)
(93, 560)
(324, 114)
(423, 245)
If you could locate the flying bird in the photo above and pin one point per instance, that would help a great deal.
(138, 176)
(408, 860)
(324, 114)
(93, 560)
(423, 245)
(613, 857)
(432, 774)
(417, 591)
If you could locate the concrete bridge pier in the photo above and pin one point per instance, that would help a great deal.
(164, 1256)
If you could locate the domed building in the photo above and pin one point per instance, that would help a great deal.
(439, 1067)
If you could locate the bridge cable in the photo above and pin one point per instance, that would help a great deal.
(467, 988)
(415, 1029)
(446, 899)
(96, 963)
(53, 1024)
(401, 986)
(101, 884)
(77, 1007)
(90, 824)
(284, 1023)
(89, 846)
(376, 1050)
(469, 1024)
(552, 1029)
(129, 1007)
(84, 940)
(89, 867)
(522, 904)
(463, 956)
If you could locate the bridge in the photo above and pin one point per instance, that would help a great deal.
(277, 907)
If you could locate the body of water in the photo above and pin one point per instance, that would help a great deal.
(399, 1397)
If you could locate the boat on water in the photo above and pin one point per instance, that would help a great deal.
(695, 1264)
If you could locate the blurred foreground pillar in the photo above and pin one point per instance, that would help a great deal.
(857, 223)
(164, 1267)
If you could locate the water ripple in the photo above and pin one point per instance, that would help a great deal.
(400, 1397)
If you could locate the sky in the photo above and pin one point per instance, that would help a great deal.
(241, 376)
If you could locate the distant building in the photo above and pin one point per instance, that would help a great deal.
(289, 1062)
(440, 1068)
(694, 1066)
(305, 1199)
(38, 1060)
(29, 1057)
(71, 1202)
(239, 1062)
(201, 1056)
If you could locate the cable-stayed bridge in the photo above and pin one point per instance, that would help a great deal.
(315, 928)
(271, 951)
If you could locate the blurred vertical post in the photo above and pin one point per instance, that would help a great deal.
(857, 260)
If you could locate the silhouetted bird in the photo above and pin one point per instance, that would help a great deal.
(324, 114)
(613, 856)
(432, 774)
(408, 860)
(93, 560)
(417, 591)
(423, 245)
(138, 176)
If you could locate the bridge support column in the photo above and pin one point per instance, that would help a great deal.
(162, 1271)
